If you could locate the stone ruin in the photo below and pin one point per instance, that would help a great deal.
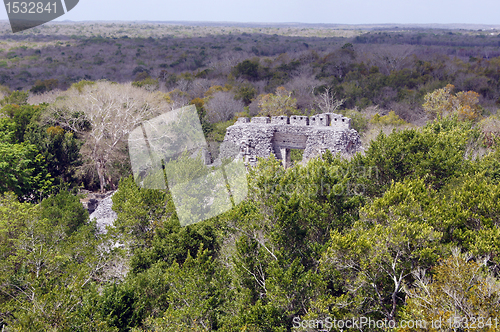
(99, 206)
(261, 136)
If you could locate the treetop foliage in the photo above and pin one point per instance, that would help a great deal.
(279, 103)
(408, 229)
(443, 102)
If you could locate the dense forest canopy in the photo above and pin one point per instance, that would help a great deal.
(406, 231)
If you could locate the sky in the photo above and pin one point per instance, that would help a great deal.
(282, 11)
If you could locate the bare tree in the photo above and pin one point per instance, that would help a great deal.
(303, 90)
(222, 106)
(223, 63)
(48, 97)
(104, 113)
(177, 99)
(327, 102)
(392, 58)
(200, 85)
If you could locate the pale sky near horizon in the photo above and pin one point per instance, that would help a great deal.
(279, 11)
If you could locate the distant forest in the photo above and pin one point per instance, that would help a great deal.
(391, 68)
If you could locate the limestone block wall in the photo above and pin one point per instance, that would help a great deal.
(320, 120)
(260, 119)
(282, 119)
(299, 120)
(263, 136)
(339, 121)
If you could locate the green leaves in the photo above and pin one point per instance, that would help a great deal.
(139, 210)
(378, 254)
(64, 209)
(15, 97)
(22, 171)
(196, 294)
(331, 238)
(148, 223)
(34, 159)
(436, 153)
(468, 214)
(44, 272)
(460, 290)
(280, 103)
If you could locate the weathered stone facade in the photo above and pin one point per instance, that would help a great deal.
(261, 136)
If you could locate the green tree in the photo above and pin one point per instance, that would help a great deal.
(467, 215)
(64, 209)
(61, 151)
(249, 69)
(44, 86)
(460, 292)
(197, 296)
(147, 217)
(443, 102)
(147, 83)
(45, 273)
(279, 234)
(22, 167)
(279, 103)
(15, 97)
(390, 119)
(35, 158)
(139, 211)
(376, 257)
(246, 93)
(437, 153)
(22, 116)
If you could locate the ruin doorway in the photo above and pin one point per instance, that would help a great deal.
(286, 144)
